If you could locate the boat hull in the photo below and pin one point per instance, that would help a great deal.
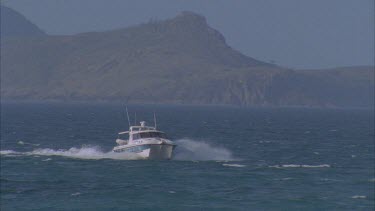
(161, 152)
(150, 151)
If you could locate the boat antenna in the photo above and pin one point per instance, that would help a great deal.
(127, 114)
(135, 118)
(155, 120)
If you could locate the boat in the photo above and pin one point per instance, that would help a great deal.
(145, 141)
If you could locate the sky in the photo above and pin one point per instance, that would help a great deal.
(302, 34)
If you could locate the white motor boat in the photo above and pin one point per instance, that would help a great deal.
(148, 142)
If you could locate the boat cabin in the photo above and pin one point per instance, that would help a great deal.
(142, 131)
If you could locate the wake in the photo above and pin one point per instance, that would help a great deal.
(86, 152)
(186, 150)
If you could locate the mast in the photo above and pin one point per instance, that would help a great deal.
(127, 114)
(155, 120)
(135, 118)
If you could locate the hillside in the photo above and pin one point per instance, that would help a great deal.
(179, 60)
(13, 24)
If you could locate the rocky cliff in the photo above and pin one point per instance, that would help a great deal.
(179, 60)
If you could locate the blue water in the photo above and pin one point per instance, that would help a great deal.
(57, 157)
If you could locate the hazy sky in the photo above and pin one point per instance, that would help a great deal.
(294, 33)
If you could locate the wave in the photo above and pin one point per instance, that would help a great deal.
(75, 194)
(86, 152)
(25, 143)
(188, 149)
(234, 165)
(359, 197)
(300, 166)
(8, 152)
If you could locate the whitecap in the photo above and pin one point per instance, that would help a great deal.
(75, 194)
(48, 159)
(25, 143)
(359, 197)
(300, 166)
(291, 165)
(287, 178)
(316, 166)
(330, 180)
(234, 165)
(7, 152)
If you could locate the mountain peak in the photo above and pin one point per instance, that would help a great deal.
(178, 60)
(189, 15)
(15, 24)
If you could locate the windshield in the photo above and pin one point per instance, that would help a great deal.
(123, 136)
(149, 135)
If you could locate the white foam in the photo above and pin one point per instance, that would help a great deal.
(79, 153)
(48, 159)
(25, 143)
(7, 152)
(300, 166)
(186, 150)
(287, 178)
(316, 166)
(284, 179)
(194, 150)
(328, 179)
(234, 165)
(291, 166)
(75, 194)
(358, 197)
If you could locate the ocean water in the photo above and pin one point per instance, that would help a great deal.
(57, 156)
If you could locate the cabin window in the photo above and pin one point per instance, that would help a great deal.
(149, 135)
(136, 136)
(145, 135)
(123, 136)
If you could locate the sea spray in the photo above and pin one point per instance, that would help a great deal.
(85, 152)
(188, 149)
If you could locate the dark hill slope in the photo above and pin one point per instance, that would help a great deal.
(180, 60)
(15, 24)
